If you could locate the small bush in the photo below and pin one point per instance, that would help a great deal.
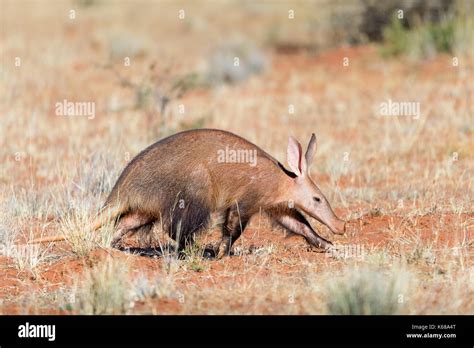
(104, 290)
(159, 287)
(395, 38)
(232, 63)
(367, 292)
(194, 258)
(451, 34)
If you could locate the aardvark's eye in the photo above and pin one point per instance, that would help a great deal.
(317, 199)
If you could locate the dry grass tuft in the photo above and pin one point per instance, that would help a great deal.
(364, 291)
(104, 289)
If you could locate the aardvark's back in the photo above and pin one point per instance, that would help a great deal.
(209, 168)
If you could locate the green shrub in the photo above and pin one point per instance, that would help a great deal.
(395, 38)
(453, 33)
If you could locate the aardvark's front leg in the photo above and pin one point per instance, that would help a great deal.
(235, 223)
(297, 223)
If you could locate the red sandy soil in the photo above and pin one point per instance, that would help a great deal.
(370, 231)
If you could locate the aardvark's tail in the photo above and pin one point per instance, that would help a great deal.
(105, 215)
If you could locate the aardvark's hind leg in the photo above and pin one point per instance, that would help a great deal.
(130, 223)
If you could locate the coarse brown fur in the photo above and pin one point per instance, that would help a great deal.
(180, 182)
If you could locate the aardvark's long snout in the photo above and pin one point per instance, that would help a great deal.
(338, 226)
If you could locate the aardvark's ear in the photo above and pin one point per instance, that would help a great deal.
(311, 150)
(294, 157)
